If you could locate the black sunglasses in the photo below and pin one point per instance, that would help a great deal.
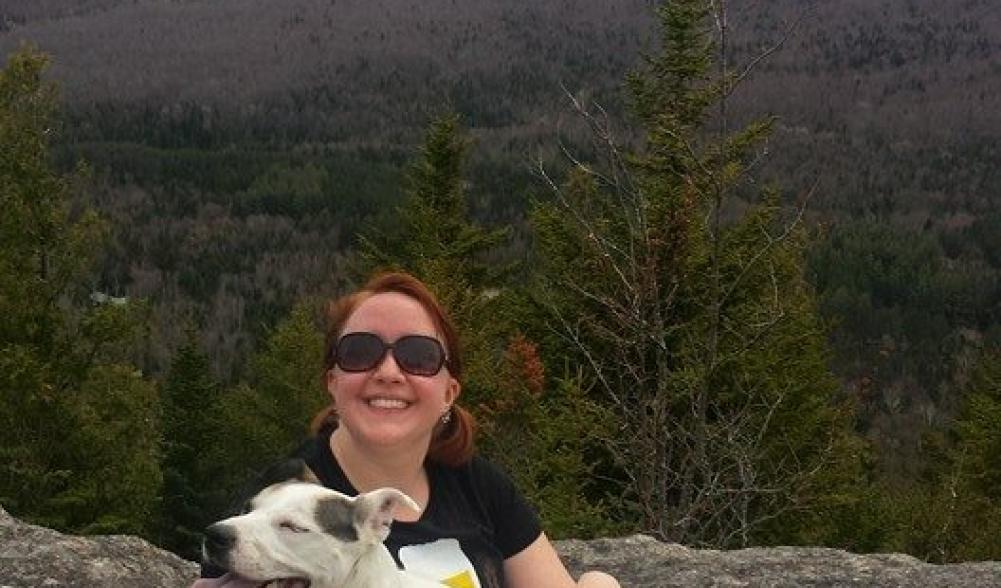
(419, 355)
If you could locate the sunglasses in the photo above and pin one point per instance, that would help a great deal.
(418, 355)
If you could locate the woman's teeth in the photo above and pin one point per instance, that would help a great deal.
(387, 403)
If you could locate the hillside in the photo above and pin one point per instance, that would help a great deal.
(865, 90)
(240, 144)
(870, 94)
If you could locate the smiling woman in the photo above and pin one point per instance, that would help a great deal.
(393, 372)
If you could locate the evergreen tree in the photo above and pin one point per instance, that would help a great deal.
(78, 423)
(111, 450)
(951, 512)
(699, 335)
(263, 420)
(433, 238)
(289, 373)
(545, 431)
(977, 466)
(189, 396)
(526, 423)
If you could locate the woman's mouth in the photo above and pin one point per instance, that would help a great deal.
(389, 403)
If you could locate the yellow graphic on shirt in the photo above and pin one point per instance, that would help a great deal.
(440, 561)
(460, 580)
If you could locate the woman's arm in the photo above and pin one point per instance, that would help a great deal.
(539, 565)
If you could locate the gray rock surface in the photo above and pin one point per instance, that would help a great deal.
(643, 562)
(32, 556)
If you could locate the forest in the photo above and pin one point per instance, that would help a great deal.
(682, 315)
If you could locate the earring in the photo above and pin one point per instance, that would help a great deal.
(446, 417)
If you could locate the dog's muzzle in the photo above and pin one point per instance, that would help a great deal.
(217, 545)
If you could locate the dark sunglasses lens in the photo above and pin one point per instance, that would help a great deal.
(419, 355)
(358, 352)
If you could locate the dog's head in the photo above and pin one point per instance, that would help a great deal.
(297, 529)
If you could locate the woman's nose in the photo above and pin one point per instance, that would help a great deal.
(388, 368)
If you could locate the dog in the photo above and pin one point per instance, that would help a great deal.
(296, 532)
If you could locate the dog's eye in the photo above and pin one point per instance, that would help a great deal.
(290, 526)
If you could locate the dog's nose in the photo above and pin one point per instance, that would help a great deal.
(219, 539)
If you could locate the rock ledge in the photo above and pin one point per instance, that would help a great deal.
(32, 556)
(641, 561)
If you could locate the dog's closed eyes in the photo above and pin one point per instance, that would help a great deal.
(290, 526)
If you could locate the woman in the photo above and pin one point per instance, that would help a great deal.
(393, 374)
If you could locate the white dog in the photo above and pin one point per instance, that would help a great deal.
(301, 533)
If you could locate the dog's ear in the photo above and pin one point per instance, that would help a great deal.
(283, 471)
(374, 511)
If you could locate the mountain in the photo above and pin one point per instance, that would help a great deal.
(865, 90)
(240, 144)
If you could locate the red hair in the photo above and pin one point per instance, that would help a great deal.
(452, 443)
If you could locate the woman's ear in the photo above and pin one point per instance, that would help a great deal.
(452, 392)
(331, 380)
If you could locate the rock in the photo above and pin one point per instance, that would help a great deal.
(643, 562)
(32, 556)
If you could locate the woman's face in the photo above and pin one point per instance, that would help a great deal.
(386, 406)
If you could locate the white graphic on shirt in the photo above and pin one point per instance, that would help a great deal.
(440, 561)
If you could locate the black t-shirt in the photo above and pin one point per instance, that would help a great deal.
(474, 520)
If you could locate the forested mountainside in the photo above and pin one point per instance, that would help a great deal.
(877, 99)
(238, 145)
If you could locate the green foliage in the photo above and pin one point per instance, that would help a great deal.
(880, 281)
(698, 336)
(113, 447)
(265, 419)
(540, 437)
(431, 236)
(951, 512)
(977, 460)
(289, 373)
(547, 434)
(907, 311)
(287, 191)
(43, 252)
(979, 425)
(190, 493)
(79, 426)
(676, 89)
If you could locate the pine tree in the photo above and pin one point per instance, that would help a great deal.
(951, 512)
(977, 465)
(78, 423)
(289, 373)
(263, 420)
(699, 334)
(433, 238)
(189, 397)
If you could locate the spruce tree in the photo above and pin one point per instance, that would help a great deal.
(973, 488)
(264, 419)
(189, 396)
(78, 423)
(432, 236)
(695, 330)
